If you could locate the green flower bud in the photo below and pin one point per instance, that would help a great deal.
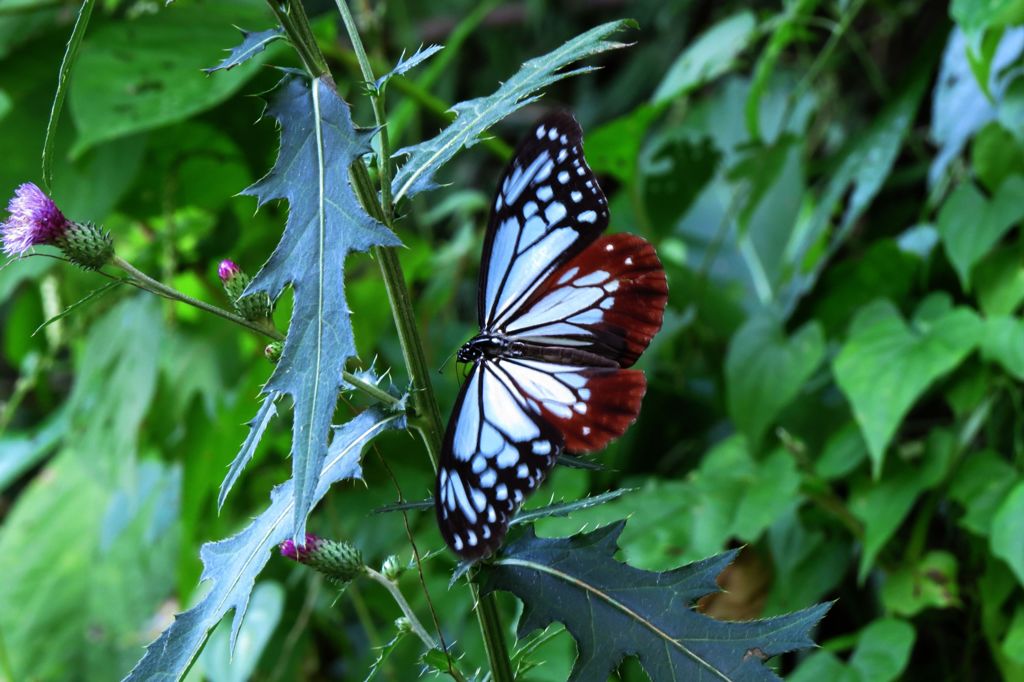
(86, 245)
(252, 307)
(273, 351)
(339, 561)
(392, 568)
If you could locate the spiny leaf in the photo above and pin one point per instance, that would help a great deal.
(404, 65)
(231, 565)
(253, 42)
(475, 116)
(566, 508)
(325, 224)
(257, 425)
(614, 610)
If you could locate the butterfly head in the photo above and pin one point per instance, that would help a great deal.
(483, 346)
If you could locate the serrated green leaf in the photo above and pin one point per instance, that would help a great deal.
(886, 364)
(970, 224)
(614, 610)
(253, 42)
(325, 224)
(405, 65)
(219, 663)
(257, 425)
(475, 116)
(710, 55)
(566, 508)
(230, 566)
(764, 371)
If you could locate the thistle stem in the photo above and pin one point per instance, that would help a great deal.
(399, 598)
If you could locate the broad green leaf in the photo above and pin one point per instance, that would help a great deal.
(614, 148)
(843, 452)
(999, 281)
(672, 176)
(219, 662)
(996, 154)
(764, 371)
(970, 224)
(882, 505)
(1007, 538)
(975, 16)
(807, 564)
(253, 42)
(614, 610)
(881, 655)
(158, 83)
(1003, 342)
(230, 566)
(980, 485)
(325, 224)
(713, 53)
(1013, 643)
(257, 425)
(20, 452)
(475, 116)
(886, 365)
(929, 583)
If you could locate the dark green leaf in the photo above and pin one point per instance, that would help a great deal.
(996, 154)
(475, 116)
(325, 224)
(613, 610)
(764, 371)
(1007, 538)
(886, 364)
(231, 565)
(253, 42)
(566, 508)
(980, 485)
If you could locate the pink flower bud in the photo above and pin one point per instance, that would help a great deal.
(288, 548)
(228, 270)
(34, 219)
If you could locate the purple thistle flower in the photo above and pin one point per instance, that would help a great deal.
(227, 270)
(288, 548)
(34, 219)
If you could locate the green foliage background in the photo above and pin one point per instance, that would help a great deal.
(835, 189)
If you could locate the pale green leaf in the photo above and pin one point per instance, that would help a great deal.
(325, 224)
(886, 365)
(257, 425)
(219, 662)
(475, 116)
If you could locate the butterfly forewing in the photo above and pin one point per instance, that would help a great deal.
(548, 208)
(497, 450)
(608, 300)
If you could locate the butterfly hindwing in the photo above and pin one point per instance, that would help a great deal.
(548, 207)
(608, 300)
(496, 451)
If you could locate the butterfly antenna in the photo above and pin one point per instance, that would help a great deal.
(445, 363)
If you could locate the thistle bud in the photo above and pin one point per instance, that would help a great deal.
(340, 562)
(251, 307)
(35, 220)
(392, 568)
(273, 351)
(403, 625)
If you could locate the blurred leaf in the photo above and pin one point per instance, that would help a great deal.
(1007, 538)
(613, 610)
(843, 452)
(711, 54)
(882, 653)
(231, 565)
(807, 564)
(996, 155)
(614, 148)
(14, 272)
(325, 224)
(1013, 643)
(974, 16)
(19, 452)
(970, 225)
(980, 485)
(764, 371)
(99, 292)
(999, 281)
(130, 77)
(673, 175)
(475, 116)
(257, 425)
(931, 582)
(219, 662)
(882, 505)
(1003, 342)
(959, 107)
(253, 42)
(886, 364)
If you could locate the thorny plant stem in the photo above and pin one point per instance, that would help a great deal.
(265, 327)
(428, 417)
(399, 598)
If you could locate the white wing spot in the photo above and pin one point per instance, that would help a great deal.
(553, 133)
(586, 430)
(629, 261)
(576, 196)
(569, 274)
(545, 193)
(490, 477)
(584, 393)
(487, 529)
(563, 177)
(540, 132)
(612, 286)
(554, 212)
(501, 492)
(542, 447)
(498, 203)
(471, 538)
(609, 247)
(588, 217)
(580, 171)
(517, 495)
(529, 208)
(561, 155)
(479, 499)
(581, 408)
(457, 542)
(563, 139)
(523, 471)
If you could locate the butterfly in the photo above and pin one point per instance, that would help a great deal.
(562, 312)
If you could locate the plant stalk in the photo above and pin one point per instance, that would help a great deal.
(428, 416)
(399, 598)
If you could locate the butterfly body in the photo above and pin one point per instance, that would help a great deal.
(563, 313)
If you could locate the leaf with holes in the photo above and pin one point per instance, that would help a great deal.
(475, 116)
(325, 224)
(230, 566)
(614, 610)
